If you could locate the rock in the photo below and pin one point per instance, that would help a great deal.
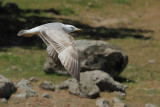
(24, 84)
(120, 93)
(95, 54)
(46, 95)
(16, 68)
(104, 81)
(47, 85)
(27, 93)
(91, 83)
(151, 61)
(33, 79)
(116, 100)
(151, 105)
(4, 100)
(119, 105)
(88, 89)
(30, 93)
(102, 103)
(50, 67)
(6, 87)
(101, 55)
(26, 89)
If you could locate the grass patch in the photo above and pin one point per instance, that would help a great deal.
(17, 63)
(66, 11)
(122, 1)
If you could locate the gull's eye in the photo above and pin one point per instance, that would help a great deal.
(72, 28)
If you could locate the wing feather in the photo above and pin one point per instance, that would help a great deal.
(63, 45)
(54, 55)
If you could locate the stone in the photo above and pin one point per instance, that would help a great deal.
(4, 100)
(151, 105)
(97, 54)
(116, 100)
(50, 67)
(15, 68)
(23, 84)
(47, 85)
(46, 95)
(91, 83)
(33, 79)
(27, 93)
(102, 103)
(83, 89)
(104, 81)
(119, 105)
(93, 55)
(6, 87)
(120, 93)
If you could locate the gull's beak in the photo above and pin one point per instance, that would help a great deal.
(78, 29)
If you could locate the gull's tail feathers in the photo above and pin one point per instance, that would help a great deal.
(28, 33)
(24, 33)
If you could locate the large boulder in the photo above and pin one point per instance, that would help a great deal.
(91, 83)
(96, 55)
(6, 87)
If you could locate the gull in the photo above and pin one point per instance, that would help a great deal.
(60, 45)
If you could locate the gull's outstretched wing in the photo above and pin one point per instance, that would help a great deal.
(63, 44)
(51, 52)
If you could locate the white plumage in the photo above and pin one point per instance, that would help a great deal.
(60, 45)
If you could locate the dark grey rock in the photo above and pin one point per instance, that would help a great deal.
(95, 55)
(50, 67)
(102, 103)
(46, 95)
(6, 87)
(24, 84)
(104, 81)
(119, 105)
(151, 105)
(4, 100)
(101, 55)
(116, 100)
(47, 85)
(33, 79)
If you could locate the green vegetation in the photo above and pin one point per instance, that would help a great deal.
(66, 11)
(123, 1)
(18, 62)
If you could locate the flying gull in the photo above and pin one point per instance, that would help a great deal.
(60, 45)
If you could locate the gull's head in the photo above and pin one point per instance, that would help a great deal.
(70, 28)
